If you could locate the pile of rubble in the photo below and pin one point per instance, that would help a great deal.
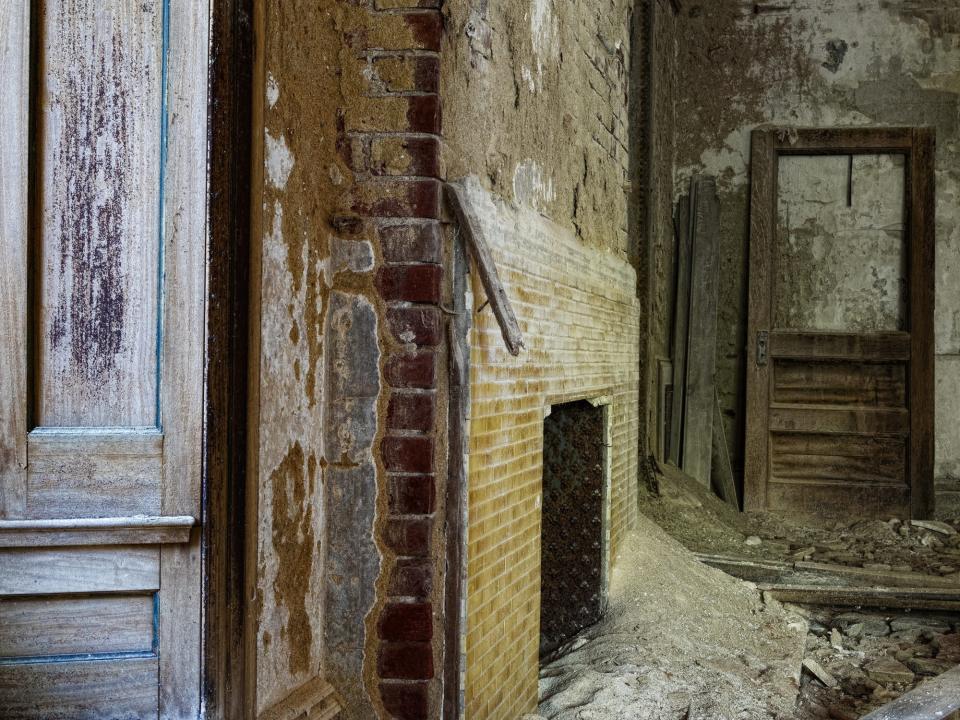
(705, 524)
(923, 546)
(856, 662)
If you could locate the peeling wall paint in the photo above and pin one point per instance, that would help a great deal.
(535, 104)
(318, 384)
(738, 68)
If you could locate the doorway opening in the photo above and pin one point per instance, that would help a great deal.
(573, 542)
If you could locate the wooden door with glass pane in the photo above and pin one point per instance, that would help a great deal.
(102, 317)
(840, 342)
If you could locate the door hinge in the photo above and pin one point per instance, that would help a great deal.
(763, 343)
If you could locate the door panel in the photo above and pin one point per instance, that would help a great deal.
(102, 315)
(839, 361)
(98, 178)
(121, 689)
(113, 624)
(86, 472)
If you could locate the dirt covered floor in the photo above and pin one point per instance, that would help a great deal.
(858, 661)
(705, 524)
(679, 640)
(684, 641)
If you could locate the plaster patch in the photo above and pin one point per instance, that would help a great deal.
(544, 35)
(279, 160)
(273, 90)
(530, 188)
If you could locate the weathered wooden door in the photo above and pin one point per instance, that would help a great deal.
(840, 371)
(102, 317)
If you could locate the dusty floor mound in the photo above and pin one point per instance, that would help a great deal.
(679, 641)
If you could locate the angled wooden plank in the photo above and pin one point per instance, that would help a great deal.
(681, 321)
(763, 171)
(922, 283)
(701, 362)
(14, 233)
(184, 314)
(872, 597)
(314, 700)
(80, 690)
(34, 627)
(487, 269)
(135, 530)
(31, 571)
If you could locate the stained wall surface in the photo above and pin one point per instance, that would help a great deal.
(346, 448)
(827, 63)
(579, 314)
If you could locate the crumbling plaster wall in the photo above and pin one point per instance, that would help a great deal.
(825, 63)
(535, 106)
(346, 561)
(536, 121)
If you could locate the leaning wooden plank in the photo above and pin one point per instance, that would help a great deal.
(79, 570)
(702, 330)
(882, 578)
(913, 598)
(14, 134)
(934, 699)
(135, 530)
(31, 627)
(721, 467)
(121, 688)
(680, 323)
(825, 573)
(496, 293)
(753, 571)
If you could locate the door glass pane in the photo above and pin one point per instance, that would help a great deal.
(840, 260)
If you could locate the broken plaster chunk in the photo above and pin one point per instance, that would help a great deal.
(928, 666)
(817, 670)
(888, 670)
(934, 525)
(753, 541)
(350, 255)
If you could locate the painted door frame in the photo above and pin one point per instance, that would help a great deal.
(917, 145)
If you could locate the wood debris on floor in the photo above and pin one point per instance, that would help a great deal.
(858, 661)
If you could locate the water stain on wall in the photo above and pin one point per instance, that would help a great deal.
(293, 483)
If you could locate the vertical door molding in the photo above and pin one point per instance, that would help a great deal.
(183, 338)
(14, 183)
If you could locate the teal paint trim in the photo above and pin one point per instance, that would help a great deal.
(161, 274)
(81, 657)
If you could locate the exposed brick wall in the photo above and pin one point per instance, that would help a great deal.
(391, 141)
(579, 314)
